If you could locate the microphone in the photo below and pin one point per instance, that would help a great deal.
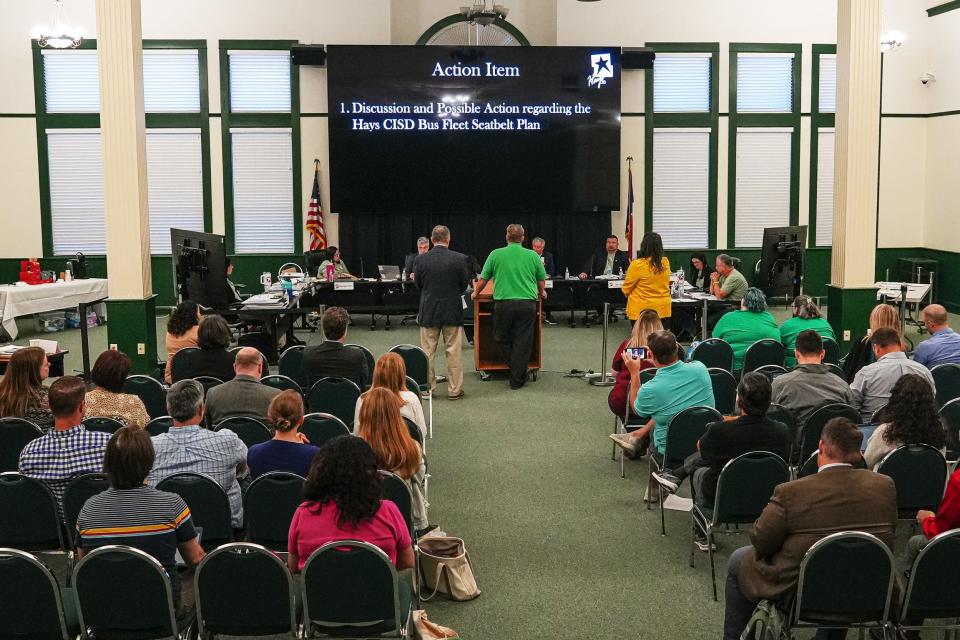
(361, 265)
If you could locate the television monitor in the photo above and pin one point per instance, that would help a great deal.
(780, 270)
(200, 268)
(476, 130)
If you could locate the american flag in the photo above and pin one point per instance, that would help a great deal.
(314, 224)
(629, 230)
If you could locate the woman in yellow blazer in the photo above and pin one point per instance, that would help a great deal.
(647, 283)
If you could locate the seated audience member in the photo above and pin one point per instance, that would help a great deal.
(340, 271)
(538, 245)
(647, 323)
(213, 357)
(861, 353)
(189, 448)
(423, 245)
(742, 328)
(134, 514)
(911, 417)
(836, 498)
(677, 386)
(608, 261)
(391, 373)
(806, 317)
(810, 385)
(726, 281)
(344, 501)
(107, 399)
(289, 450)
(22, 394)
(732, 437)
(933, 524)
(244, 395)
(381, 425)
(872, 385)
(182, 326)
(69, 450)
(943, 345)
(700, 271)
(331, 359)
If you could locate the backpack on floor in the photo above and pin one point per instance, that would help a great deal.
(766, 623)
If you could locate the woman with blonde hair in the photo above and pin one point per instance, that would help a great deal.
(22, 394)
(391, 373)
(381, 425)
(647, 322)
(289, 450)
(861, 353)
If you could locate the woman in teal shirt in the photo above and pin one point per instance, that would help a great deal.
(806, 315)
(740, 329)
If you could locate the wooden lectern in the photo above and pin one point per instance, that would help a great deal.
(486, 352)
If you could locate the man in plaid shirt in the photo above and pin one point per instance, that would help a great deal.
(69, 450)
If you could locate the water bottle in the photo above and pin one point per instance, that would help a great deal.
(288, 289)
(621, 271)
(403, 276)
(681, 280)
(566, 273)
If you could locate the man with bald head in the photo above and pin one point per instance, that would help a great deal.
(244, 395)
(943, 345)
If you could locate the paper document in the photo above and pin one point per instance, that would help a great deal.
(676, 503)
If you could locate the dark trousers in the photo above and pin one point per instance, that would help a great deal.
(513, 325)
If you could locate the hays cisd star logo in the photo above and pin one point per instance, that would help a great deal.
(601, 66)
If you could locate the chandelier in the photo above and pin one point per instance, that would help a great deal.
(60, 35)
(482, 14)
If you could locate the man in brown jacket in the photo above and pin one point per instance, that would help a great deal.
(837, 498)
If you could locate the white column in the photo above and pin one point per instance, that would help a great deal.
(119, 49)
(857, 143)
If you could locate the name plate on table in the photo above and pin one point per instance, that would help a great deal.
(614, 284)
(343, 286)
(548, 284)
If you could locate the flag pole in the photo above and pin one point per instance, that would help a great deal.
(629, 225)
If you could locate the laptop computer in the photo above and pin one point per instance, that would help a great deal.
(389, 271)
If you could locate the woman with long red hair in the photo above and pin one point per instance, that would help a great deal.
(391, 373)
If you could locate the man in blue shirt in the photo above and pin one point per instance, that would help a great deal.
(677, 386)
(943, 345)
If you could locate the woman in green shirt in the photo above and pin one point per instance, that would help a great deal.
(340, 271)
(742, 328)
(806, 315)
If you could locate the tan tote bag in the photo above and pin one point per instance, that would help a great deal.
(428, 630)
(445, 567)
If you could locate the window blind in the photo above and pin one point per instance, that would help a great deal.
(828, 83)
(681, 179)
(174, 184)
(76, 191)
(681, 83)
(171, 81)
(259, 81)
(825, 148)
(262, 190)
(71, 81)
(763, 183)
(764, 82)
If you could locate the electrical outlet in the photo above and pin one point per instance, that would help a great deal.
(846, 335)
(142, 348)
(113, 346)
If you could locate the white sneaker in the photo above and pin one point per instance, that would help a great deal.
(624, 440)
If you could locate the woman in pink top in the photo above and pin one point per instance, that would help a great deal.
(343, 492)
(182, 327)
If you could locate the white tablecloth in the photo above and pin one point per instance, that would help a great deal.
(37, 298)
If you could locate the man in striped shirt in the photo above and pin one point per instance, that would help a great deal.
(134, 514)
(68, 450)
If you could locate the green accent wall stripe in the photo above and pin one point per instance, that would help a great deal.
(943, 8)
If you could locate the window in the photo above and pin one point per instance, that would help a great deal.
(171, 81)
(259, 81)
(71, 81)
(827, 83)
(764, 82)
(681, 181)
(681, 83)
(174, 184)
(763, 182)
(262, 191)
(824, 185)
(75, 159)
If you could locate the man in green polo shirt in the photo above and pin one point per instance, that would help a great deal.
(518, 276)
(727, 284)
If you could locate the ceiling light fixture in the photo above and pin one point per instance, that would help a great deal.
(482, 14)
(60, 35)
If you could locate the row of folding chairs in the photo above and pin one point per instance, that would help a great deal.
(347, 588)
(717, 353)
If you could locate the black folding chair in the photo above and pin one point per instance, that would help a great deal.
(647, 375)
(950, 418)
(268, 507)
(150, 391)
(337, 396)
(208, 382)
(919, 473)
(771, 371)
(724, 390)
(832, 351)
(836, 370)
(351, 589)
(105, 425)
(125, 594)
(281, 382)
(15, 434)
(226, 603)
(743, 490)
(946, 378)
(846, 582)
(933, 590)
(291, 365)
(321, 427)
(28, 515)
(80, 489)
(369, 359)
(779, 413)
(810, 467)
(714, 353)
(32, 604)
(250, 430)
(208, 502)
(159, 425)
(762, 352)
(180, 365)
(418, 368)
(810, 439)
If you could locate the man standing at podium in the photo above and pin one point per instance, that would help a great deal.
(518, 276)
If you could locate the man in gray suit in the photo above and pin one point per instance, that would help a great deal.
(244, 395)
(441, 276)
